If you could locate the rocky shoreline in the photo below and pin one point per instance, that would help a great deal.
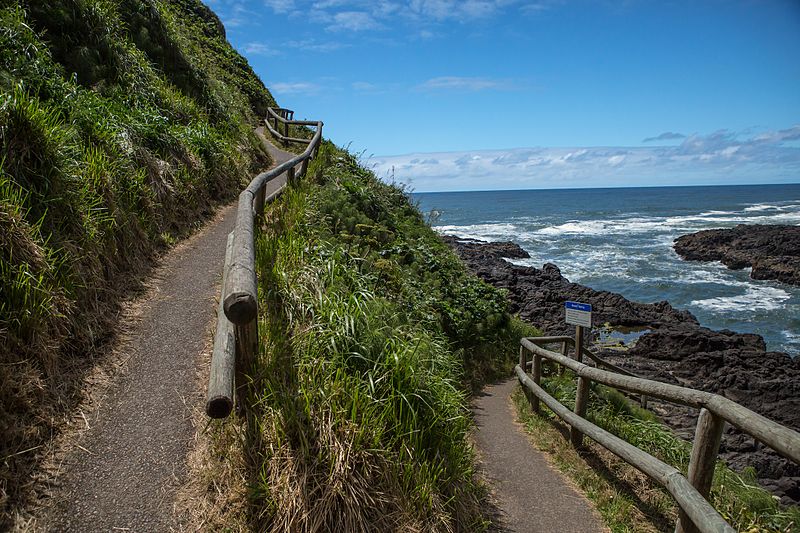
(674, 348)
(773, 251)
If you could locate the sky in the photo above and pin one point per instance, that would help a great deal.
(518, 94)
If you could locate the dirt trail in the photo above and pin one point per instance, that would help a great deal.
(531, 494)
(123, 472)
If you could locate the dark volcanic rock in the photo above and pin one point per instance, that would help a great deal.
(676, 350)
(482, 249)
(538, 295)
(772, 250)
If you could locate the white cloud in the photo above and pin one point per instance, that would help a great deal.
(364, 15)
(535, 8)
(364, 86)
(462, 10)
(260, 49)
(280, 6)
(719, 157)
(353, 21)
(666, 136)
(312, 45)
(460, 83)
(302, 87)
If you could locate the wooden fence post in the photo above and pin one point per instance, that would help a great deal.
(565, 353)
(581, 401)
(523, 364)
(707, 438)
(246, 349)
(285, 129)
(290, 175)
(579, 343)
(537, 378)
(220, 398)
(258, 204)
(304, 168)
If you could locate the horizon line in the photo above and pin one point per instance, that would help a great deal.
(611, 187)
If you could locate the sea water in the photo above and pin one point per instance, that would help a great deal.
(620, 240)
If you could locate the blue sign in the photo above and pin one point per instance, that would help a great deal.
(578, 306)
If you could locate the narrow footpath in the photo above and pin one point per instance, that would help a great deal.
(123, 472)
(532, 496)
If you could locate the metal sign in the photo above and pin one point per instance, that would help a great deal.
(579, 314)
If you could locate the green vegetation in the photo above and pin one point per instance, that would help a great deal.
(373, 333)
(122, 124)
(626, 499)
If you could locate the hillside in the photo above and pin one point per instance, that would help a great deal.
(122, 125)
(372, 334)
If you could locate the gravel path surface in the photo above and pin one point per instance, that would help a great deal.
(123, 472)
(532, 496)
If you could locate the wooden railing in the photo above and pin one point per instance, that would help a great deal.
(236, 338)
(696, 513)
(279, 117)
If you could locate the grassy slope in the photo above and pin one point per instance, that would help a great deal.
(122, 123)
(373, 335)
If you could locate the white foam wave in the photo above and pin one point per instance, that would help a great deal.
(754, 298)
(714, 273)
(526, 262)
(761, 207)
(497, 231)
(716, 213)
(670, 225)
(791, 336)
(778, 206)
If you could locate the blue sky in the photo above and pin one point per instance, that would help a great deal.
(509, 94)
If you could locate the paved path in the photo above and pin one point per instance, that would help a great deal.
(532, 496)
(123, 473)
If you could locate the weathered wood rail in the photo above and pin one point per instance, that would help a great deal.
(696, 513)
(236, 338)
(279, 116)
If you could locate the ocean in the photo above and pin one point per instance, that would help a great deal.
(620, 240)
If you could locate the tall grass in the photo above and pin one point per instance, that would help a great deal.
(358, 416)
(122, 124)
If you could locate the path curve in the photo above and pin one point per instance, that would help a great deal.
(123, 473)
(532, 496)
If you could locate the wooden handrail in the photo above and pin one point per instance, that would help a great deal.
(714, 411)
(239, 298)
(586, 351)
(699, 510)
(780, 438)
(279, 115)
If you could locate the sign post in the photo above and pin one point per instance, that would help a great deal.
(579, 315)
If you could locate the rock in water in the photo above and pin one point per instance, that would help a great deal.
(773, 251)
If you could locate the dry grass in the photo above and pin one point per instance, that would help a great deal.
(214, 495)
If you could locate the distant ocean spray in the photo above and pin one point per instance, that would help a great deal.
(620, 240)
